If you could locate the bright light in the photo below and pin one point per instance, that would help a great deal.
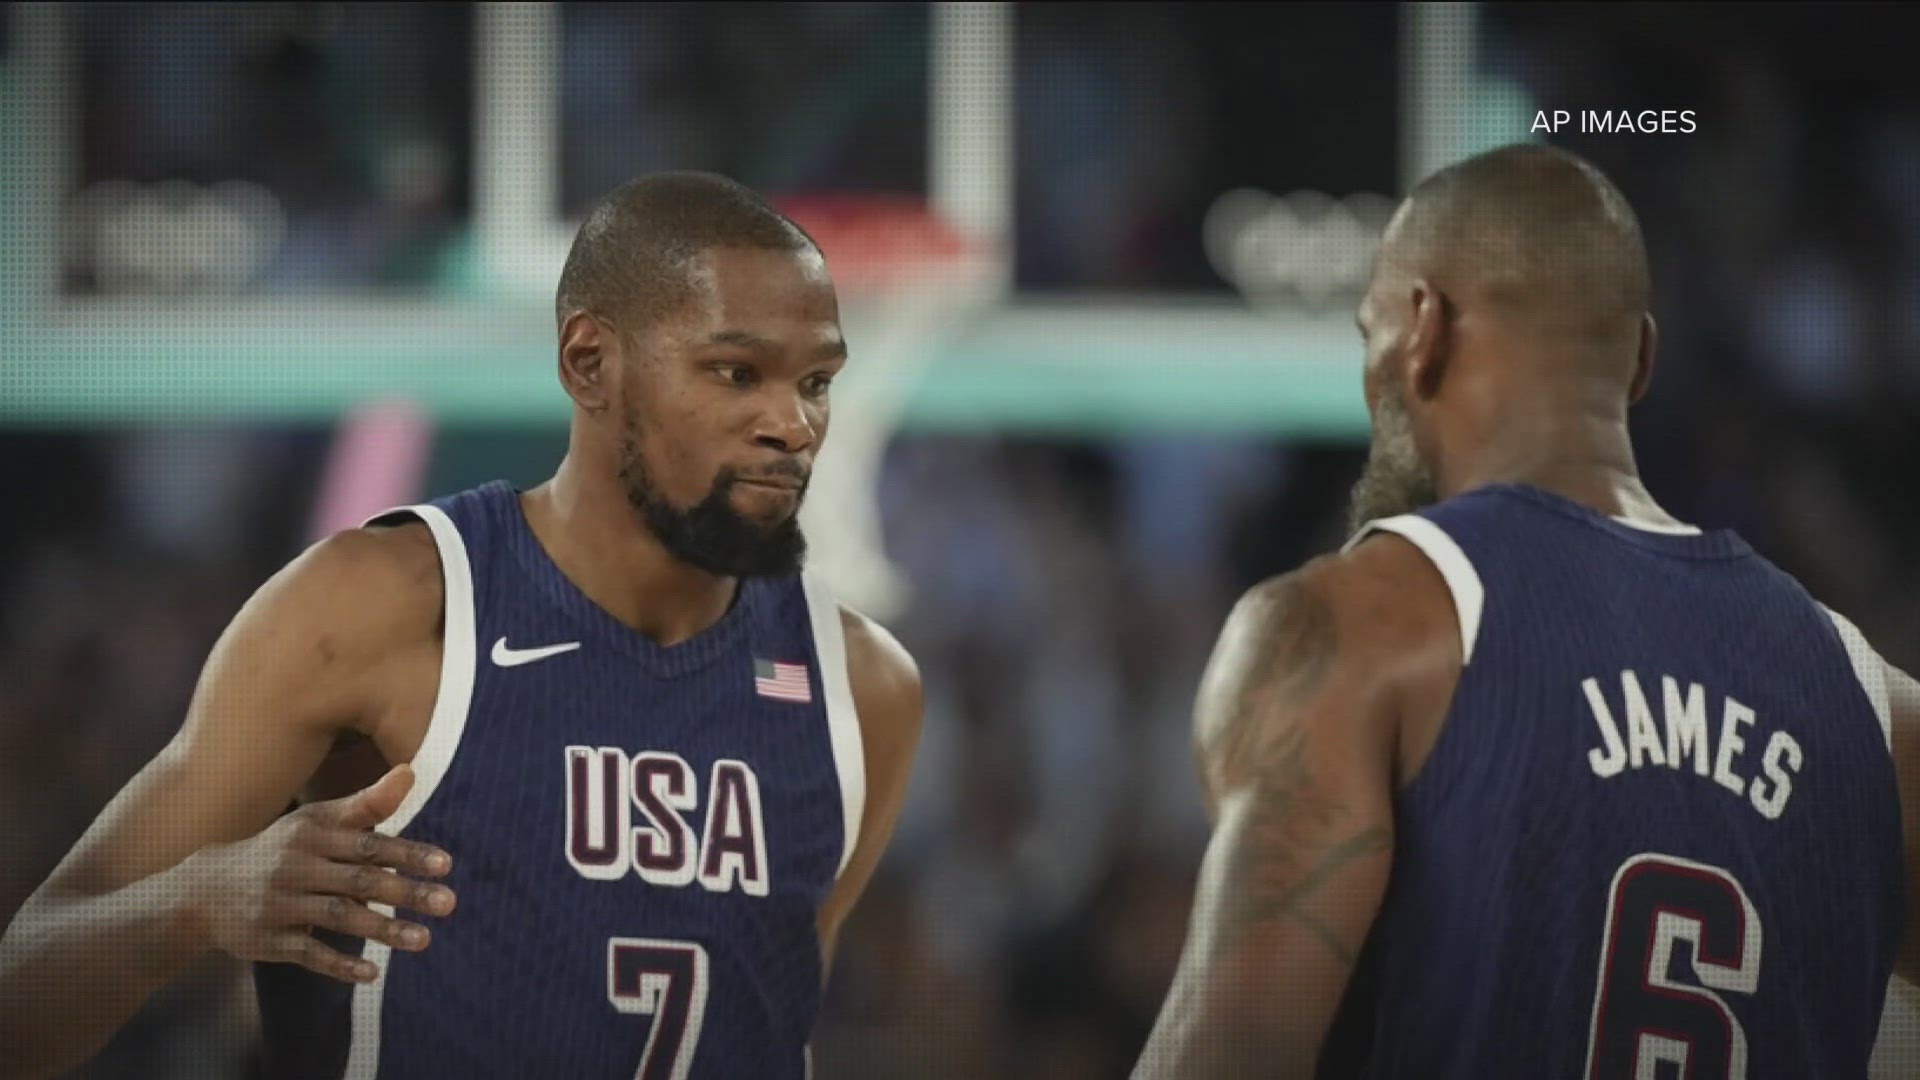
(1302, 249)
(174, 237)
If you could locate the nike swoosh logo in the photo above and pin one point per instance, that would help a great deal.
(506, 657)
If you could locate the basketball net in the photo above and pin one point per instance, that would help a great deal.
(907, 283)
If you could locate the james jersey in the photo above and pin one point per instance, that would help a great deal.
(641, 835)
(1659, 834)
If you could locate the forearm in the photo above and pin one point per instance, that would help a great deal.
(73, 969)
(1278, 913)
(1250, 1055)
(1204, 1033)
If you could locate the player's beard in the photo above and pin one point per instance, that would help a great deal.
(1396, 479)
(711, 534)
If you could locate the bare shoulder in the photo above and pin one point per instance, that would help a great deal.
(1903, 724)
(381, 582)
(886, 697)
(1267, 680)
(1399, 608)
(329, 625)
(309, 658)
(1903, 695)
(1348, 645)
(1381, 596)
(1903, 733)
(885, 680)
(400, 557)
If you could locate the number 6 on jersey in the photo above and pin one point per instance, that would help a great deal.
(666, 980)
(1641, 1016)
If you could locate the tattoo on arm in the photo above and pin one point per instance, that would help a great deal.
(1294, 835)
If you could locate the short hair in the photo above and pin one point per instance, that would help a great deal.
(633, 256)
(1534, 230)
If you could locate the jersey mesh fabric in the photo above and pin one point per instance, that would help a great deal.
(1486, 957)
(516, 982)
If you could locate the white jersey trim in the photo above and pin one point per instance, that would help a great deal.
(843, 721)
(1469, 594)
(1655, 527)
(1869, 668)
(430, 764)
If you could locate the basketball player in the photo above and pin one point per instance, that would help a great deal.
(654, 763)
(1531, 779)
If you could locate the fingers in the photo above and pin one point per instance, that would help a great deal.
(364, 881)
(297, 947)
(355, 919)
(363, 846)
(370, 805)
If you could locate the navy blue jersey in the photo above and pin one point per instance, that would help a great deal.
(641, 835)
(1659, 825)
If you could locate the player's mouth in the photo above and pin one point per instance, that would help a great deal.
(788, 484)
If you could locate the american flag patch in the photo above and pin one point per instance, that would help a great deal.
(787, 682)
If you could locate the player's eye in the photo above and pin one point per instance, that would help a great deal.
(816, 385)
(734, 374)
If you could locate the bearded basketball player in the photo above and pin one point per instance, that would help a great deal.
(594, 772)
(1532, 779)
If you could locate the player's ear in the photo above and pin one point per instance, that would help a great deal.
(1643, 363)
(1429, 339)
(586, 366)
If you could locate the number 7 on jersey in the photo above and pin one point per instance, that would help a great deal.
(666, 980)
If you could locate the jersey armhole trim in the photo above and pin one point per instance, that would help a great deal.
(1463, 581)
(1868, 668)
(430, 763)
(843, 720)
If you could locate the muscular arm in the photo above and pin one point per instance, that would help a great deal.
(1903, 701)
(886, 695)
(1296, 724)
(116, 921)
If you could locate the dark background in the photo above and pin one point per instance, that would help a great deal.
(1066, 588)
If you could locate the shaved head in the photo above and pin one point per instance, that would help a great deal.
(637, 256)
(1533, 236)
(1507, 321)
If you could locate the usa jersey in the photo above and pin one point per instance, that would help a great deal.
(642, 836)
(1658, 835)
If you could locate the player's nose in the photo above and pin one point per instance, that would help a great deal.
(786, 424)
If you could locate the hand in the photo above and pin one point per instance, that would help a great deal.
(319, 866)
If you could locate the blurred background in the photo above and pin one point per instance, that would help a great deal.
(264, 263)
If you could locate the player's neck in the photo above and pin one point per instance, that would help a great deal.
(1582, 457)
(592, 533)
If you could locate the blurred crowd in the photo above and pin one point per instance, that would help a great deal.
(352, 123)
(1066, 590)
